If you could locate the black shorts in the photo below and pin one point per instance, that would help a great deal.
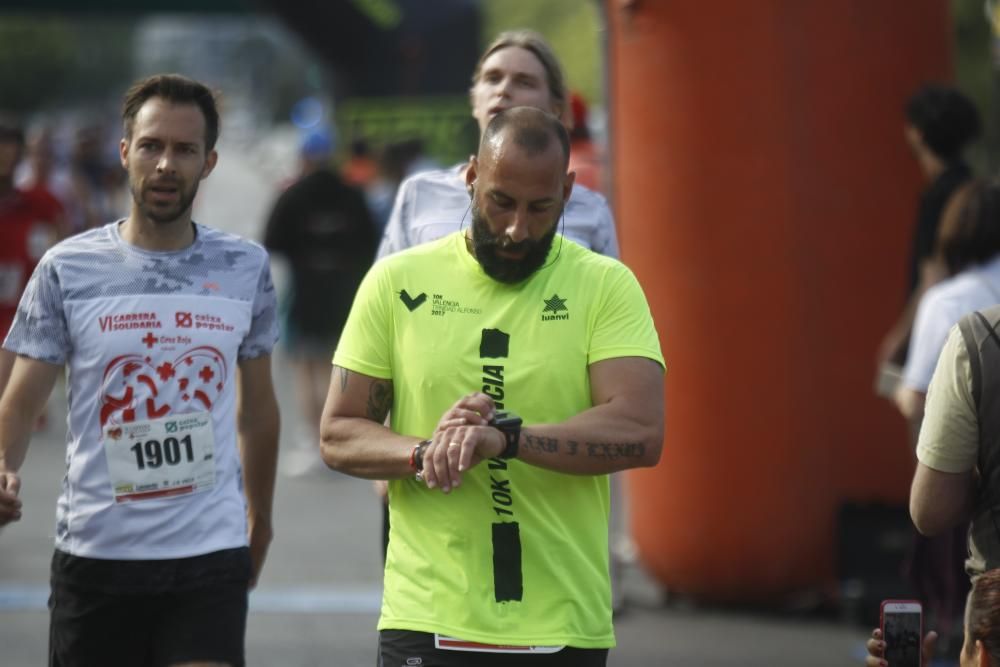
(151, 613)
(403, 648)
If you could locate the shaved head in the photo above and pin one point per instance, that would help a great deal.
(532, 130)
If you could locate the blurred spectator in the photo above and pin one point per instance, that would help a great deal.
(29, 225)
(98, 183)
(397, 161)
(360, 169)
(38, 173)
(956, 478)
(323, 228)
(971, 254)
(584, 157)
(940, 123)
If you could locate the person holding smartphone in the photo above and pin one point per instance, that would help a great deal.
(981, 647)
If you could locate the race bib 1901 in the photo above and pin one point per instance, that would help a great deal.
(172, 456)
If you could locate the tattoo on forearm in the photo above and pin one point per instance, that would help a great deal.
(540, 444)
(601, 450)
(379, 400)
(613, 451)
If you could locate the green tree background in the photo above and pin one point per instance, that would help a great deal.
(976, 76)
(47, 61)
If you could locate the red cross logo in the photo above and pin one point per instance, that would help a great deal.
(206, 374)
(150, 339)
(183, 320)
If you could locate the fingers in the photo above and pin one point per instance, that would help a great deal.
(10, 483)
(10, 504)
(454, 451)
(475, 409)
(876, 648)
(928, 647)
(437, 473)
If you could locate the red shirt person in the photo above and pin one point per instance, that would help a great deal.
(29, 224)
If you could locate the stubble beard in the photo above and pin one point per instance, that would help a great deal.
(161, 215)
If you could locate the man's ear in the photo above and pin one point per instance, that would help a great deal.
(470, 175)
(568, 185)
(123, 152)
(210, 160)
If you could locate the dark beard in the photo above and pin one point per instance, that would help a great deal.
(485, 245)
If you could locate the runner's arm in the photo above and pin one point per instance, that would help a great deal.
(623, 429)
(353, 437)
(23, 400)
(258, 424)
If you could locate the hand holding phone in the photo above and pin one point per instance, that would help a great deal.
(902, 631)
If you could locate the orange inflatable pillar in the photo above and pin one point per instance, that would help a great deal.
(765, 199)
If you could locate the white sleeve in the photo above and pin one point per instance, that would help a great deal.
(605, 236)
(397, 230)
(930, 331)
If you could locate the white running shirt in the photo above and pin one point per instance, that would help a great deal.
(152, 341)
(433, 204)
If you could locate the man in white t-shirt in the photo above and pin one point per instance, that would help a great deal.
(518, 69)
(166, 327)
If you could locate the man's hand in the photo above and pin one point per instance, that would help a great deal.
(461, 440)
(476, 409)
(10, 504)
(876, 649)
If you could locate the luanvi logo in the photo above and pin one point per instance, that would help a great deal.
(555, 305)
(410, 302)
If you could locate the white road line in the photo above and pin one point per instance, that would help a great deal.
(310, 600)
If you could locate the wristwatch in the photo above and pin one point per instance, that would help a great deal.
(510, 425)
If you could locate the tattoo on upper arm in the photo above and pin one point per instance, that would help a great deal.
(379, 400)
(603, 450)
(344, 373)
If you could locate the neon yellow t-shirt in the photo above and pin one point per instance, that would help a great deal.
(517, 554)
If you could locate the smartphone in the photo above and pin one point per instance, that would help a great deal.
(902, 631)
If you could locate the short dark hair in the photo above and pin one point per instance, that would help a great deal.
(532, 129)
(947, 119)
(529, 40)
(178, 90)
(975, 237)
(982, 614)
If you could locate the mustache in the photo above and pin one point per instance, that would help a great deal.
(163, 180)
(505, 243)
